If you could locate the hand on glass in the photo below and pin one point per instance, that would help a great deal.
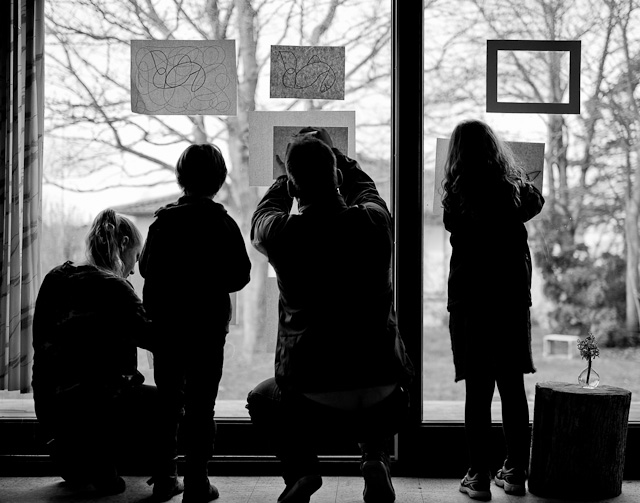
(280, 164)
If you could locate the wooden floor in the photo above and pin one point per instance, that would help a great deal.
(267, 489)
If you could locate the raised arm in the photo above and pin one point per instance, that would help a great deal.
(531, 202)
(271, 215)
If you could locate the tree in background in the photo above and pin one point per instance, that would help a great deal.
(62, 237)
(578, 244)
(588, 233)
(621, 114)
(88, 106)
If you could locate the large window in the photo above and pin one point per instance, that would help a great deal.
(101, 154)
(584, 244)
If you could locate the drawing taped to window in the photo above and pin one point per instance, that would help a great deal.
(183, 77)
(282, 135)
(307, 72)
(263, 148)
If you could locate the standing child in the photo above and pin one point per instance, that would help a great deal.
(193, 258)
(487, 199)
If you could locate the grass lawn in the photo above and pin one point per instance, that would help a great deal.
(616, 367)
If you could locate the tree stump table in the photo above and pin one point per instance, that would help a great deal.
(578, 441)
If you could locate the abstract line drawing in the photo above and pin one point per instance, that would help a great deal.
(183, 77)
(307, 72)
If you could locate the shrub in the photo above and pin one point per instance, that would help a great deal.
(588, 294)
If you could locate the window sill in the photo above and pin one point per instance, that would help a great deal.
(439, 411)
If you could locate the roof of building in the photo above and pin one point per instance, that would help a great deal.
(146, 207)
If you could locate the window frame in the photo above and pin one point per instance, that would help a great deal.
(239, 450)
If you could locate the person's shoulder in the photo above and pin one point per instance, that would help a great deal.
(163, 209)
(61, 268)
(370, 210)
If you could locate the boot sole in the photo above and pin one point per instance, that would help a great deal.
(513, 489)
(476, 495)
(302, 490)
(378, 486)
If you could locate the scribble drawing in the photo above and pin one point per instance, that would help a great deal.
(314, 72)
(184, 79)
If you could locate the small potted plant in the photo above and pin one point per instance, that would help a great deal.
(588, 348)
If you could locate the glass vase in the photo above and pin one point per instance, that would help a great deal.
(589, 378)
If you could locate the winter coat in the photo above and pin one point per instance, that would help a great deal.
(87, 324)
(490, 283)
(337, 326)
(490, 257)
(194, 256)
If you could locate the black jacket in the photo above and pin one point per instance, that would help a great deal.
(490, 258)
(337, 326)
(194, 256)
(87, 324)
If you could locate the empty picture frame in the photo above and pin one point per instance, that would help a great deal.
(184, 77)
(261, 137)
(570, 46)
(530, 155)
(307, 72)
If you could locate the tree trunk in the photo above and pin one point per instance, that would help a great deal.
(633, 194)
(253, 311)
(579, 441)
(633, 245)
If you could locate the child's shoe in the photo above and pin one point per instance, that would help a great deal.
(511, 480)
(200, 493)
(378, 487)
(477, 486)
(165, 488)
(301, 490)
(109, 486)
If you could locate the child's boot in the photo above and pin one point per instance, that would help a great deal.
(199, 491)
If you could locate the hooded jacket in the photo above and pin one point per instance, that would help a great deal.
(87, 324)
(337, 326)
(194, 256)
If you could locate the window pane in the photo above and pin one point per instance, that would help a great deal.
(100, 154)
(519, 71)
(584, 243)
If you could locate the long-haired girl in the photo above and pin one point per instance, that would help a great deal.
(88, 392)
(487, 198)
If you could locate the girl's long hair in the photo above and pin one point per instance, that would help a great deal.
(104, 242)
(479, 165)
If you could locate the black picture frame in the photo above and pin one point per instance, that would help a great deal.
(571, 46)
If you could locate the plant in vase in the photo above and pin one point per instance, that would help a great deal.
(588, 348)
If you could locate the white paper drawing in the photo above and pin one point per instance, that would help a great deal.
(183, 77)
(261, 140)
(530, 155)
(307, 72)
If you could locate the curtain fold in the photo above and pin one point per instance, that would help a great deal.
(21, 131)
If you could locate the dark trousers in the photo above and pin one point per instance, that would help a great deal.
(296, 426)
(515, 418)
(94, 431)
(187, 384)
